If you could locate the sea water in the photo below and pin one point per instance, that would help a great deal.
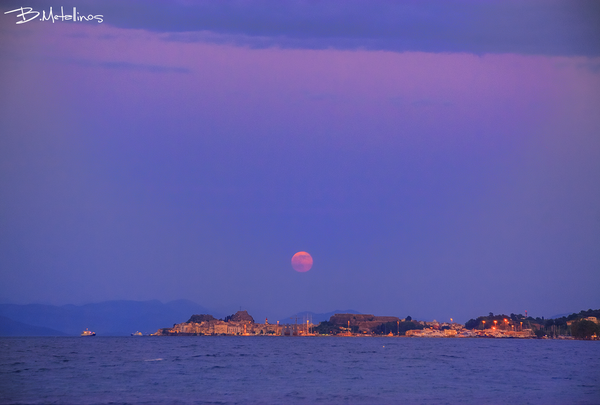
(297, 370)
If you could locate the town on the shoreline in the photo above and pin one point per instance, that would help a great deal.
(585, 325)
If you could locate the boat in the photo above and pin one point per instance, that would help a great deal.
(138, 333)
(88, 332)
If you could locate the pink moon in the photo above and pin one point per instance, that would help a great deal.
(302, 262)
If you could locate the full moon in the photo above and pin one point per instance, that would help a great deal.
(302, 262)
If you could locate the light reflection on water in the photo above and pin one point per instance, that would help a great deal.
(305, 370)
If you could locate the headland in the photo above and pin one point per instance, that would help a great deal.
(585, 325)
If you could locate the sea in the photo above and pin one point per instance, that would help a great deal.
(297, 370)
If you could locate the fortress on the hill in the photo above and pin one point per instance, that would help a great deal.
(363, 323)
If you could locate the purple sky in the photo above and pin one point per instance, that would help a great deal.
(437, 160)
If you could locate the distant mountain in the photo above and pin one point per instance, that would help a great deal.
(109, 318)
(560, 315)
(8, 327)
(315, 318)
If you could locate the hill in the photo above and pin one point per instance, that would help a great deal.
(8, 327)
(109, 318)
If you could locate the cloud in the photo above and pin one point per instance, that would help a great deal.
(114, 65)
(555, 27)
(593, 66)
(139, 67)
(422, 102)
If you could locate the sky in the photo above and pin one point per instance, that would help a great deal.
(437, 159)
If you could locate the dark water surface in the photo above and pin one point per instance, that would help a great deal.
(305, 370)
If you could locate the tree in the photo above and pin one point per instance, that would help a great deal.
(327, 328)
(200, 318)
(395, 327)
(516, 317)
(473, 323)
(584, 329)
(385, 328)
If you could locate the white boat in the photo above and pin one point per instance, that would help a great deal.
(88, 332)
(138, 333)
